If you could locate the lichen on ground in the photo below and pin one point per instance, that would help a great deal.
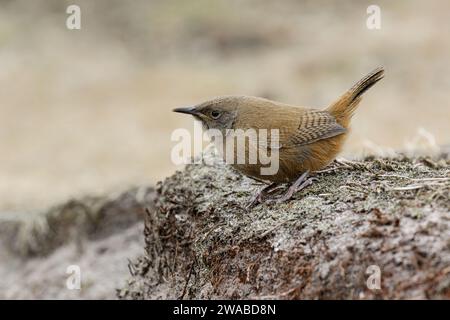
(391, 213)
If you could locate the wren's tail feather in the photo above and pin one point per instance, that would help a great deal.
(346, 105)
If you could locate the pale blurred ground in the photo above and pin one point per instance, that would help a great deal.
(89, 111)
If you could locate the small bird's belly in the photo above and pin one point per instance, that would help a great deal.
(295, 161)
(285, 173)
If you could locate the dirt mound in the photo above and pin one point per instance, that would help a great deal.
(386, 217)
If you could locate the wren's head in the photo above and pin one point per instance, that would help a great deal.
(219, 113)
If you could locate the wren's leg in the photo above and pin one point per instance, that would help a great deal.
(257, 198)
(302, 182)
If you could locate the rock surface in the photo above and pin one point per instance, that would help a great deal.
(386, 217)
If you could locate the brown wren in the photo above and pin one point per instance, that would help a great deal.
(309, 139)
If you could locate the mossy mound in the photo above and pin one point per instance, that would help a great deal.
(392, 213)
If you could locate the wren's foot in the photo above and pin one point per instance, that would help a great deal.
(301, 183)
(288, 195)
(258, 197)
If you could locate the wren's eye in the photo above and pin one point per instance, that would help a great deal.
(215, 114)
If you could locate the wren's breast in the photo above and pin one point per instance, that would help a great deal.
(262, 163)
(293, 162)
(282, 165)
(258, 163)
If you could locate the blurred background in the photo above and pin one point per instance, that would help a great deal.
(89, 111)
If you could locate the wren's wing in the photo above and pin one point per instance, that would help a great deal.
(314, 125)
(296, 126)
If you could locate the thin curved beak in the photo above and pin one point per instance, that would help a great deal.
(187, 110)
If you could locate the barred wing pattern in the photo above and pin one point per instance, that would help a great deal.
(314, 126)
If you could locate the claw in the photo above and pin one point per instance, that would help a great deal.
(301, 183)
(258, 197)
